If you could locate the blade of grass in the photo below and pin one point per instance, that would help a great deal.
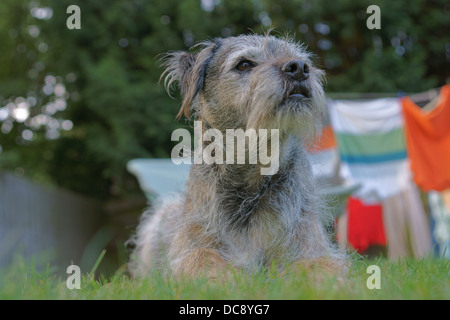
(97, 263)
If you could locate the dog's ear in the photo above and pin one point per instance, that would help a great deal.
(189, 71)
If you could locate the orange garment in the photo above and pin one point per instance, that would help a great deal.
(428, 142)
(325, 141)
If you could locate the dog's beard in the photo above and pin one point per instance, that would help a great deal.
(278, 105)
(298, 118)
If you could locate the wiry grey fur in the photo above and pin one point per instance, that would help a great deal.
(230, 214)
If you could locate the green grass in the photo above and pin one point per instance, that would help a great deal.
(426, 278)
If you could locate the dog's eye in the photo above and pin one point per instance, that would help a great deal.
(245, 65)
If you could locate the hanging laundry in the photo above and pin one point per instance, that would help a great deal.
(364, 225)
(428, 142)
(446, 199)
(372, 149)
(441, 218)
(324, 157)
(406, 225)
(371, 146)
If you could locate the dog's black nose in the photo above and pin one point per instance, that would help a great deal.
(296, 69)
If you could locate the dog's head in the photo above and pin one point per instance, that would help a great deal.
(249, 81)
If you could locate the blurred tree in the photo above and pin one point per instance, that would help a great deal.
(410, 52)
(76, 105)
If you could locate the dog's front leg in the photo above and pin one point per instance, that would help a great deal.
(202, 261)
(322, 268)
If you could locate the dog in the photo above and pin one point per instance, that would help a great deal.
(230, 214)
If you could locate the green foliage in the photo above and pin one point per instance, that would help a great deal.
(407, 54)
(109, 70)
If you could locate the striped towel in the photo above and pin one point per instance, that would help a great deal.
(372, 146)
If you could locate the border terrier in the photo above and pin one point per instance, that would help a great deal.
(230, 214)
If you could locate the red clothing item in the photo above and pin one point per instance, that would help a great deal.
(428, 142)
(365, 225)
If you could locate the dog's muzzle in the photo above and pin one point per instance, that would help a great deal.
(296, 69)
(297, 73)
(299, 91)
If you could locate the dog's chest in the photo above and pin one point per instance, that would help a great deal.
(246, 207)
(267, 236)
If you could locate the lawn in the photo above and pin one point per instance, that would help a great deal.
(425, 278)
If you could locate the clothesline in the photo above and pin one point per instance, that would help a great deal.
(420, 98)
